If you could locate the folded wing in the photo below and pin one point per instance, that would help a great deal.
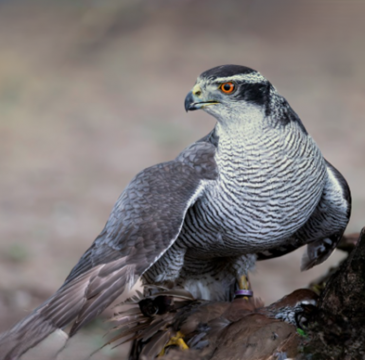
(145, 221)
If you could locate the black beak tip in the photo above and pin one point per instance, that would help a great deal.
(189, 101)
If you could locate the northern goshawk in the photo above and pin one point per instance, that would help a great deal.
(256, 187)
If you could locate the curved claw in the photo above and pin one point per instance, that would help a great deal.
(176, 340)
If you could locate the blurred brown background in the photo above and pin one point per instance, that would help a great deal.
(91, 92)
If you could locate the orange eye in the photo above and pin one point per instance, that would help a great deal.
(227, 88)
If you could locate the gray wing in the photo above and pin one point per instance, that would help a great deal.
(325, 227)
(329, 221)
(144, 223)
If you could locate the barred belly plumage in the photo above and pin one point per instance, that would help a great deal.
(269, 184)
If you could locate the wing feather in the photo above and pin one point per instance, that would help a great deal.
(144, 223)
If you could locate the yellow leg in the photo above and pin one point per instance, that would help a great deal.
(176, 340)
(243, 283)
(244, 287)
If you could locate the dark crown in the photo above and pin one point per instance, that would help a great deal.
(226, 70)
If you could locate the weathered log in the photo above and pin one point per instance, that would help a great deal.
(337, 330)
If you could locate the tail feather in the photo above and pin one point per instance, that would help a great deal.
(82, 299)
(17, 341)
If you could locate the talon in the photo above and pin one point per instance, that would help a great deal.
(176, 340)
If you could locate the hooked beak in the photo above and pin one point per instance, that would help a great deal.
(192, 102)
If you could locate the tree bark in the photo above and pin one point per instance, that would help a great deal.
(337, 328)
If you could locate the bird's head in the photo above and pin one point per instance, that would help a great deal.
(296, 307)
(236, 94)
(229, 91)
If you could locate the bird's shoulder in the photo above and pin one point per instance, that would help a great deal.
(201, 157)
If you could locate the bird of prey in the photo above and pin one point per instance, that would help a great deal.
(257, 186)
(214, 330)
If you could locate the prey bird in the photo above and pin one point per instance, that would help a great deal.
(256, 187)
(213, 329)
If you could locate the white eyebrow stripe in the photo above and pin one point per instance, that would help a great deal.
(253, 78)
